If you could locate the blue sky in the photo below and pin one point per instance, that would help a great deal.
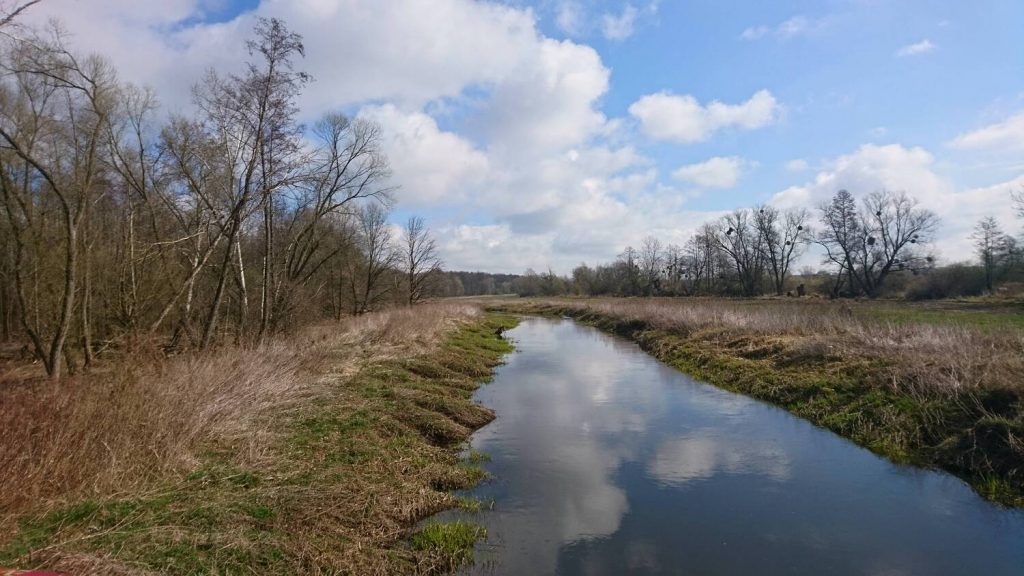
(542, 134)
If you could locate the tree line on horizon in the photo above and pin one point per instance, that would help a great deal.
(880, 246)
(232, 222)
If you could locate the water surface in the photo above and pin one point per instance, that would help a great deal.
(606, 461)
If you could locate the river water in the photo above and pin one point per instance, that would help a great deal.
(606, 461)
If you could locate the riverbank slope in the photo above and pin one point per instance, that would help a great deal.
(313, 454)
(933, 393)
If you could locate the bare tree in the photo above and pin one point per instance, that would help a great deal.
(841, 229)
(885, 235)
(251, 123)
(377, 257)
(990, 244)
(54, 114)
(705, 258)
(675, 269)
(630, 277)
(783, 238)
(743, 243)
(421, 262)
(651, 261)
(348, 166)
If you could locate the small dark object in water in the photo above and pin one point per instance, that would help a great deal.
(500, 332)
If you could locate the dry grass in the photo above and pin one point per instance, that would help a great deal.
(940, 358)
(180, 431)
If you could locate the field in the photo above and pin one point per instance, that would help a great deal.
(937, 385)
(318, 453)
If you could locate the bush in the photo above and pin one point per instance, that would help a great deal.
(953, 281)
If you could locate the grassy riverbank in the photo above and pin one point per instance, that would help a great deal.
(921, 388)
(313, 455)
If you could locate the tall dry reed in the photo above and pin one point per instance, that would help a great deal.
(146, 417)
(944, 359)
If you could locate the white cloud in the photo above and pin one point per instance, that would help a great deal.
(893, 167)
(548, 102)
(619, 27)
(1005, 135)
(431, 166)
(570, 17)
(799, 25)
(923, 47)
(581, 18)
(797, 165)
(717, 172)
(666, 116)
(434, 48)
(685, 459)
(755, 32)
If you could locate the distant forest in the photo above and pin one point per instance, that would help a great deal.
(880, 246)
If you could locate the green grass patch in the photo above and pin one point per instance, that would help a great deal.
(986, 316)
(451, 540)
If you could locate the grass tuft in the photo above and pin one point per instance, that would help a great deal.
(453, 541)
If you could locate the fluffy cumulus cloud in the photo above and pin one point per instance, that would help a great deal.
(432, 166)
(681, 118)
(434, 48)
(717, 172)
(912, 170)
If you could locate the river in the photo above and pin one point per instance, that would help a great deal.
(606, 461)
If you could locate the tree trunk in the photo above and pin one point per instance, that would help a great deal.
(86, 295)
(56, 352)
(211, 319)
(243, 313)
(268, 258)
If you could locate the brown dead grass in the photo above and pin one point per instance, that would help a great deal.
(940, 359)
(122, 430)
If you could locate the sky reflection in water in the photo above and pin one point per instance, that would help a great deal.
(606, 462)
